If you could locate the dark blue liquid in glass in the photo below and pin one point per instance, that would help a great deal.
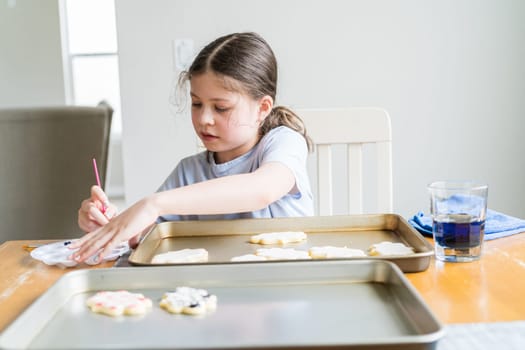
(458, 231)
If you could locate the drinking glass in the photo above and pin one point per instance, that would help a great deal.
(458, 210)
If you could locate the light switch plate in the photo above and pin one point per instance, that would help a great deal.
(182, 53)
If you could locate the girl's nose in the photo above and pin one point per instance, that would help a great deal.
(207, 117)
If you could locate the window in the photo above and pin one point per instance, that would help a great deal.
(90, 56)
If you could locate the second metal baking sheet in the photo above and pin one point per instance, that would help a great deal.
(226, 239)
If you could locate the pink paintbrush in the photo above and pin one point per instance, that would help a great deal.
(95, 168)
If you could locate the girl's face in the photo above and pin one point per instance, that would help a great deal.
(226, 121)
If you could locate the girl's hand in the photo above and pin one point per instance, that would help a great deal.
(129, 225)
(95, 211)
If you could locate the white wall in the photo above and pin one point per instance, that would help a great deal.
(449, 72)
(30, 54)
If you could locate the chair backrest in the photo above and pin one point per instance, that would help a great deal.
(46, 167)
(354, 127)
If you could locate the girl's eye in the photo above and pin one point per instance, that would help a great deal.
(221, 110)
(196, 104)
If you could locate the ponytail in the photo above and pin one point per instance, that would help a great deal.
(283, 116)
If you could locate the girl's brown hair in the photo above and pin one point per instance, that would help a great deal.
(248, 60)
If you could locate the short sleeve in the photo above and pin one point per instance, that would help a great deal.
(289, 148)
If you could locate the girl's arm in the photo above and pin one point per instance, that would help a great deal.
(228, 194)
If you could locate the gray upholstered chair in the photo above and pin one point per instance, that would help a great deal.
(46, 167)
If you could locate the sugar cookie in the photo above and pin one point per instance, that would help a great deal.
(119, 303)
(282, 253)
(187, 300)
(181, 256)
(329, 252)
(278, 237)
(389, 248)
(248, 257)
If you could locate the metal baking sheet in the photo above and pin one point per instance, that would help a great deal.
(335, 304)
(228, 238)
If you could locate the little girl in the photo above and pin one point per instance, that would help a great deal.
(254, 165)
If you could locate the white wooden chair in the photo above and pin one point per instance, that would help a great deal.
(354, 127)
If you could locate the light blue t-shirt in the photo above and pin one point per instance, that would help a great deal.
(280, 144)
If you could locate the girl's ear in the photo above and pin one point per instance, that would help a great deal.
(265, 107)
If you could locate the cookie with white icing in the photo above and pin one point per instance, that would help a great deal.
(116, 303)
(190, 301)
(389, 248)
(329, 252)
(181, 256)
(248, 257)
(278, 237)
(282, 253)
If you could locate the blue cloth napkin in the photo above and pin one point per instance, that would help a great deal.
(496, 224)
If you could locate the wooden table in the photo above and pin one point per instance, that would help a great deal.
(23, 279)
(489, 290)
